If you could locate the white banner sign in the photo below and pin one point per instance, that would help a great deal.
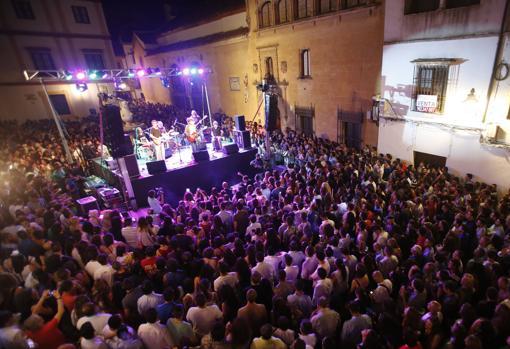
(426, 103)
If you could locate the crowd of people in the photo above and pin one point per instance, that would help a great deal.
(342, 249)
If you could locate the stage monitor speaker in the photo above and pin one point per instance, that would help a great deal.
(113, 130)
(230, 149)
(201, 155)
(200, 146)
(86, 204)
(240, 122)
(154, 167)
(168, 152)
(271, 111)
(132, 165)
(243, 139)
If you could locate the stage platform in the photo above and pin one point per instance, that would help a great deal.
(184, 172)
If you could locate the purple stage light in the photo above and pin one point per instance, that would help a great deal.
(140, 73)
(185, 71)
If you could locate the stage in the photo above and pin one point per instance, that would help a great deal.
(184, 172)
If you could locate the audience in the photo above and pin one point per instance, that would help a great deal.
(340, 248)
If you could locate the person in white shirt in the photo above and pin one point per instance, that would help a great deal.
(310, 264)
(130, 233)
(153, 334)
(273, 259)
(89, 340)
(254, 225)
(149, 299)
(105, 271)
(98, 320)
(265, 269)
(11, 336)
(154, 202)
(92, 264)
(203, 317)
(292, 271)
(225, 278)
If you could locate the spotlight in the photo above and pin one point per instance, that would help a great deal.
(80, 75)
(193, 71)
(185, 71)
(200, 71)
(140, 73)
(82, 87)
(131, 74)
(122, 85)
(93, 75)
(68, 75)
(165, 82)
(157, 71)
(105, 75)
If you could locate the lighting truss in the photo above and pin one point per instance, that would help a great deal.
(103, 74)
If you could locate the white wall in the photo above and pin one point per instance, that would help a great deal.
(462, 149)
(433, 133)
(475, 72)
(224, 24)
(484, 18)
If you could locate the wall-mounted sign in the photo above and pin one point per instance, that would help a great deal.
(235, 84)
(426, 103)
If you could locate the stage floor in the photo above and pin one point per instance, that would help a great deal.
(182, 173)
(182, 158)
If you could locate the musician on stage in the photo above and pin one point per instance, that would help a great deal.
(216, 136)
(142, 145)
(156, 137)
(191, 132)
(195, 117)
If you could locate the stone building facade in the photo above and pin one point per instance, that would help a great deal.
(324, 57)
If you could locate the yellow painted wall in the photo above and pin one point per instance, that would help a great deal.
(345, 53)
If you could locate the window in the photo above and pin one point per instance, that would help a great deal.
(304, 120)
(269, 68)
(304, 8)
(60, 105)
(81, 15)
(417, 6)
(282, 11)
(265, 15)
(23, 9)
(460, 3)
(326, 6)
(430, 80)
(41, 58)
(353, 3)
(93, 59)
(305, 63)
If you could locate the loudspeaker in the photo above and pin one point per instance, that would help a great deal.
(86, 204)
(113, 130)
(271, 111)
(230, 149)
(243, 139)
(154, 167)
(132, 165)
(201, 155)
(168, 153)
(240, 122)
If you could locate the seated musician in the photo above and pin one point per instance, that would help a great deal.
(142, 145)
(191, 133)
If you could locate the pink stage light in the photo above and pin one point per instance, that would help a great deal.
(80, 75)
(185, 71)
(200, 71)
(140, 73)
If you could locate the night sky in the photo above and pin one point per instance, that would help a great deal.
(126, 16)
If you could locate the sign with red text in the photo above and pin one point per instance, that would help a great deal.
(426, 103)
